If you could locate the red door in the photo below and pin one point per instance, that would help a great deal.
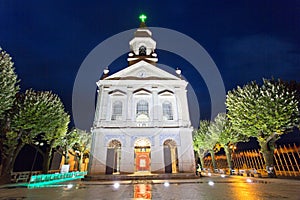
(142, 161)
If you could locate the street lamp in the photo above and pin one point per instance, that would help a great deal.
(37, 144)
(233, 148)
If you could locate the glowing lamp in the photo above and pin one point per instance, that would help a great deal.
(116, 185)
(178, 71)
(166, 184)
(106, 71)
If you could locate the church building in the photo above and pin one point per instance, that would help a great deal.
(142, 123)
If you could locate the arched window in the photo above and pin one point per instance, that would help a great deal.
(167, 111)
(142, 107)
(116, 111)
(142, 51)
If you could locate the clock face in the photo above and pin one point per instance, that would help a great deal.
(142, 74)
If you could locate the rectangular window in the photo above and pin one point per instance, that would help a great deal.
(142, 107)
(117, 111)
(167, 111)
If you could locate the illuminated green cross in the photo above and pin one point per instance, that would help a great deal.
(143, 17)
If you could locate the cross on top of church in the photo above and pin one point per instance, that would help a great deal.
(143, 17)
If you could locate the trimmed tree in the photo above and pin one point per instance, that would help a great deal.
(38, 117)
(53, 136)
(82, 147)
(66, 144)
(264, 112)
(227, 137)
(30, 116)
(8, 89)
(294, 86)
(8, 83)
(204, 141)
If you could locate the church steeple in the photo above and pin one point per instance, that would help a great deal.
(142, 46)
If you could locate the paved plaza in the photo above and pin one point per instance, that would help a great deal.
(211, 188)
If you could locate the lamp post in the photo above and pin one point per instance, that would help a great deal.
(233, 148)
(37, 144)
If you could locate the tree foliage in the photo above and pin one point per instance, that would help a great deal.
(36, 116)
(67, 142)
(8, 90)
(201, 136)
(264, 112)
(204, 141)
(8, 83)
(294, 86)
(221, 129)
(54, 121)
(82, 146)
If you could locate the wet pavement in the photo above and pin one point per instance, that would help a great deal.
(211, 188)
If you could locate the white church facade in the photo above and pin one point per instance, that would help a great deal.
(142, 122)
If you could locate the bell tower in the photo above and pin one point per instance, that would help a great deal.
(142, 46)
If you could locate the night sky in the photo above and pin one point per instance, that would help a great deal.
(248, 40)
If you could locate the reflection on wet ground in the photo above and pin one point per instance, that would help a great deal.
(204, 188)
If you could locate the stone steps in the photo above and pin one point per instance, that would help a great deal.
(140, 177)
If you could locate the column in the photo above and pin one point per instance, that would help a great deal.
(104, 104)
(155, 104)
(97, 112)
(179, 107)
(129, 107)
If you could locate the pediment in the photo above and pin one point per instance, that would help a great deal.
(142, 91)
(117, 93)
(166, 93)
(142, 71)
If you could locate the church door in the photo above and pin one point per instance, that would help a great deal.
(113, 157)
(167, 159)
(110, 161)
(170, 156)
(142, 159)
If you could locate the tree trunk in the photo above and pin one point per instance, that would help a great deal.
(66, 155)
(5, 178)
(212, 154)
(228, 152)
(5, 174)
(8, 164)
(267, 149)
(200, 156)
(80, 161)
(202, 162)
(46, 160)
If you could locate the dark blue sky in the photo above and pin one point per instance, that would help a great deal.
(248, 40)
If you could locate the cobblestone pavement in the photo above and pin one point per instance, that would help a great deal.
(211, 188)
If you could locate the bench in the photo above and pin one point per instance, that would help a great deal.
(22, 178)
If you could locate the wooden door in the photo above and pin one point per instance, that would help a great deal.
(167, 159)
(110, 159)
(142, 161)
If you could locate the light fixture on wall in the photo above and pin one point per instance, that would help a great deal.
(178, 71)
(106, 71)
